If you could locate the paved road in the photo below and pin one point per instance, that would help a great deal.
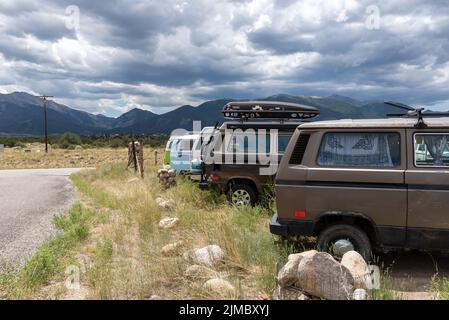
(28, 201)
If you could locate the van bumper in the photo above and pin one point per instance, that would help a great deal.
(277, 228)
(289, 228)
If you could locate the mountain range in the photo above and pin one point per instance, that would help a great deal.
(22, 114)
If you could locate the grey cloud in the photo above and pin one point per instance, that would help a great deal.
(159, 55)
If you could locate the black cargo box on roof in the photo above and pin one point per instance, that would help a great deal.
(253, 110)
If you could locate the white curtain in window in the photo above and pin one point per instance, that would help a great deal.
(356, 149)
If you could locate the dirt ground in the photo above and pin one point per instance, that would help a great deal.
(412, 272)
(34, 157)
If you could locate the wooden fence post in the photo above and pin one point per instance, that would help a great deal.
(134, 156)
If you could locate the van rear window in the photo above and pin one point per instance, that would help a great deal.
(354, 149)
(432, 150)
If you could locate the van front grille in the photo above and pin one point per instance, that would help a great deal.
(300, 148)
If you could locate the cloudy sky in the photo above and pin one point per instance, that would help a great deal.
(111, 56)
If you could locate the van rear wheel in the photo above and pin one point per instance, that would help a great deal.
(242, 194)
(341, 238)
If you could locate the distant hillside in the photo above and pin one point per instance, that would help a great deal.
(22, 114)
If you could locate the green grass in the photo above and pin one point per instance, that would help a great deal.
(440, 287)
(99, 196)
(100, 273)
(52, 257)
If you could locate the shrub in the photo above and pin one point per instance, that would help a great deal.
(69, 140)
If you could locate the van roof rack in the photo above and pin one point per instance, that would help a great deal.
(418, 113)
(263, 110)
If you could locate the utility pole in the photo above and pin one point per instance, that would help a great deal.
(45, 99)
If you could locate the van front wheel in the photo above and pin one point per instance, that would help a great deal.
(241, 194)
(341, 238)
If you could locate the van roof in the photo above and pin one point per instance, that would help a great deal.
(440, 122)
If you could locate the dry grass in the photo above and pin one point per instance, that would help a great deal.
(125, 252)
(36, 158)
(123, 248)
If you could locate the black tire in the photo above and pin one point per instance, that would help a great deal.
(355, 235)
(242, 194)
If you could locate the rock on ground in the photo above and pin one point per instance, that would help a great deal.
(320, 275)
(360, 294)
(168, 223)
(207, 256)
(171, 249)
(359, 270)
(220, 286)
(198, 272)
(167, 177)
(288, 275)
(165, 204)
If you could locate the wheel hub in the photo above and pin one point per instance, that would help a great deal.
(241, 198)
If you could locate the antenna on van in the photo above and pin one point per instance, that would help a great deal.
(415, 113)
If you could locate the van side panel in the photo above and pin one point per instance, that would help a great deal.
(377, 193)
(290, 197)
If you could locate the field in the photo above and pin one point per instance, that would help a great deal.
(110, 245)
(114, 231)
(33, 156)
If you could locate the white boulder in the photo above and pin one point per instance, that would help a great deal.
(168, 223)
(207, 256)
(359, 270)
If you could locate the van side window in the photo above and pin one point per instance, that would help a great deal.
(300, 149)
(283, 143)
(364, 149)
(185, 145)
(432, 150)
(245, 143)
(248, 143)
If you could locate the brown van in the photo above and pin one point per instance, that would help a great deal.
(366, 184)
